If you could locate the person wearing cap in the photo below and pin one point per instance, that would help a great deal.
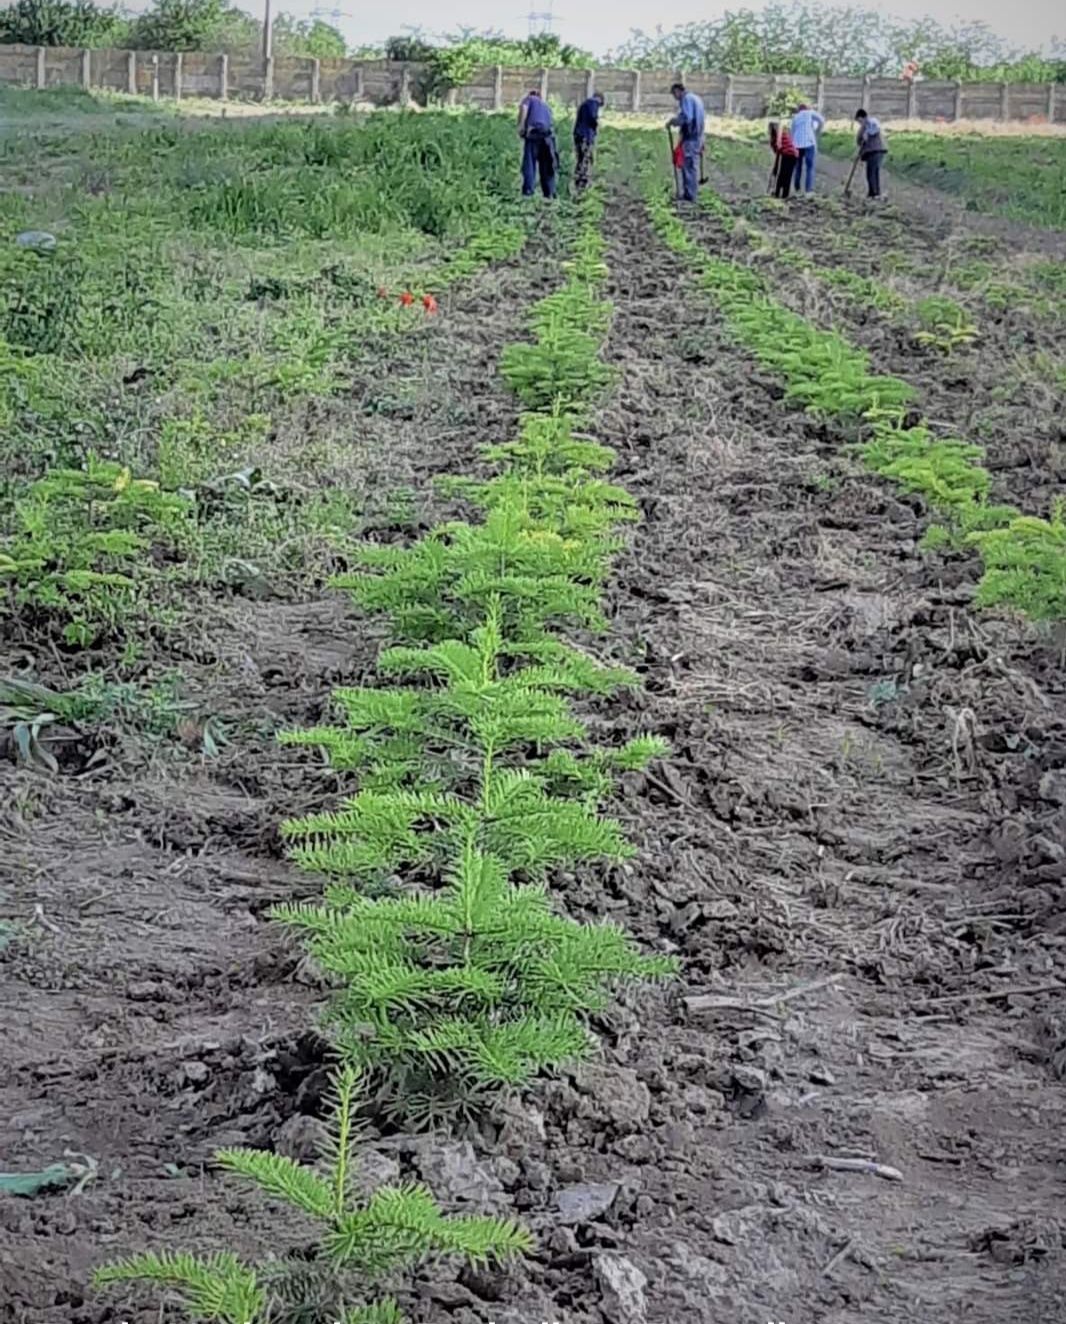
(807, 124)
(691, 120)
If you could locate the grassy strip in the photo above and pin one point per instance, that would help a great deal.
(1017, 177)
(454, 973)
(1024, 556)
(84, 546)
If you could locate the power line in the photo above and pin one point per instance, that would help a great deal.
(540, 21)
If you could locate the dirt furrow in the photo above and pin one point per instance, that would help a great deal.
(826, 850)
(986, 392)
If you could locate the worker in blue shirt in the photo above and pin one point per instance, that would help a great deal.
(536, 128)
(691, 120)
(586, 126)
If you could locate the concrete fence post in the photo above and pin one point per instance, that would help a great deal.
(268, 78)
(957, 113)
(359, 92)
(819, 94)
(179, 74)
(223, 77)
(42, 68)
(405, 85)
(590, 83)
(544, 84)
(497, 87)
(912, 100)
(87, 69)
(636, 91)
(155, 77)
(131, 73)
(1051, 103)
(316, 81)
(729, 83)
(1004, 101)
(867, 85)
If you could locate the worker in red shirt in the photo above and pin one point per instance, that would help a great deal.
(785, 158)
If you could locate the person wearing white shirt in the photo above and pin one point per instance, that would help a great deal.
(807, 124)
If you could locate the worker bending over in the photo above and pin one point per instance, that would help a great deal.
(691, 120)
(536, 128)
(586, 126)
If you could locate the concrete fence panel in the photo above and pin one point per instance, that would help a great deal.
(385, 82)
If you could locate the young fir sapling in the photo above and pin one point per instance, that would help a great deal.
(360, 1240)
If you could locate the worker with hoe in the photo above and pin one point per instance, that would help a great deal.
(872, 150)
(691, 120)
(536, 128)
(586, 126)
(807, 124)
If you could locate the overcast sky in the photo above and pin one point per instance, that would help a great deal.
(1027, 23)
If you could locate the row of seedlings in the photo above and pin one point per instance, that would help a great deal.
(1024, 556)
(454, 975)
(935, 322)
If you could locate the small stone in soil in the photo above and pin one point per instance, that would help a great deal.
(583, 1203)
(622, 1285)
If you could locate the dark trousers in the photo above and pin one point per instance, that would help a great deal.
(873, 173)
(584, 151)
(785, 167)
(538, 154)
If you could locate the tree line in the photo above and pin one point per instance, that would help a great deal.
(166, 25)
(804, 38)
(798, 37)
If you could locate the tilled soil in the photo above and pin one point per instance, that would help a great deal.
(857, 848)
(988, 392)
(148, 1012)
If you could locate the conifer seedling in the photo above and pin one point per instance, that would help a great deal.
(360, 1241)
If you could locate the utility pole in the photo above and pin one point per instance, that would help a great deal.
(268, 31)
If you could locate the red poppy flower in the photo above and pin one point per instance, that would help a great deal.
(429, 303)
(407, 299)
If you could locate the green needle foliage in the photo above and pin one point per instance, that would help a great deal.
(443, 585)
(452, 758)
(477, 985)
(359, 1241)
(1025, 566)
(476, 778)
(832, 379)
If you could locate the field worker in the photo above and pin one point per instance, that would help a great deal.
(872, 150)
(691, 119)
(785, 156)
(536, 128)
(586, 126)
(807, 124)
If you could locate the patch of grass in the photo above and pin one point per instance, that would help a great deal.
(1016, 176)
